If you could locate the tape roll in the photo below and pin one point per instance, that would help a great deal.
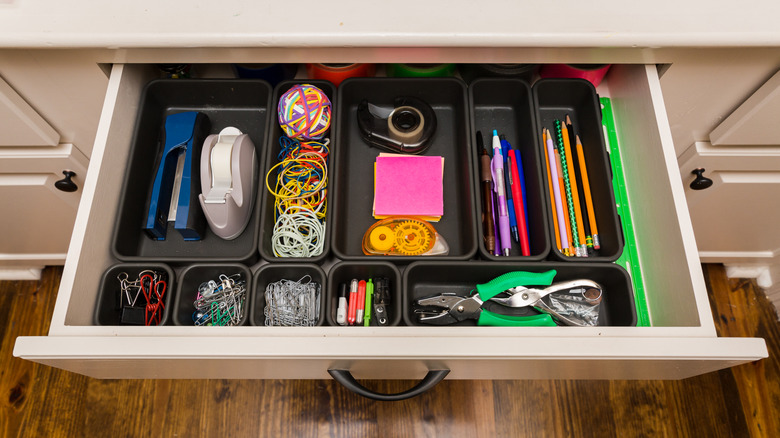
(221, 166)
(420, 70)
(271, 73)
(336, 73)
(406, 124)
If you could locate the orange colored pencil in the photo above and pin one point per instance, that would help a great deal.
(552, 198)
(582, 251)
(567, 221)
(588, 197)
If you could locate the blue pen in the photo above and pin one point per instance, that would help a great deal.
(505, 148)
(520, 174)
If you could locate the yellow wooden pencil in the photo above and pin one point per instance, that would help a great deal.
(587, 195)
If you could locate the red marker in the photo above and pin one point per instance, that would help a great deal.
(353, 302)
(361, 301)
(517, 195)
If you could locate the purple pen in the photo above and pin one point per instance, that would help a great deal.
(497, 246)
(497, 166)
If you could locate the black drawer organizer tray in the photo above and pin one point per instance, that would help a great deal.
(510, 106)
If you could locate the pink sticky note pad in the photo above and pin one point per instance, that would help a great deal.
(409, 186)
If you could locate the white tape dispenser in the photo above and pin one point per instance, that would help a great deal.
(227, 169)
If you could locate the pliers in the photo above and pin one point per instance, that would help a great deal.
(458, 308)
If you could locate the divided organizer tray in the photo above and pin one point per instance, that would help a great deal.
(353, 159)
(507, 106)
(267, 217)
(425, 279)
(577, 98)
(243, 104)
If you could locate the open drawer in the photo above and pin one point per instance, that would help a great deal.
(680, 342)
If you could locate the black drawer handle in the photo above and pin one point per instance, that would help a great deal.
(429, 381)
(701, 182)
(66, 184)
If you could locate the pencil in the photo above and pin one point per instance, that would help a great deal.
(580, 188)
(588, 197)
(552, 197)
(566, 217)
(567, 186)
(575, 194)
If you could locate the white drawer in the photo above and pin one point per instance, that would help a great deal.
(681, 342)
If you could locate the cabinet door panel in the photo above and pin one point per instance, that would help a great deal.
(40, 217)
(738, 213)
(20, 124)
(37, 222)
(755, 121)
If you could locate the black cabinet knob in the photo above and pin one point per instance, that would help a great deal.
(66, 184)
(701, 182)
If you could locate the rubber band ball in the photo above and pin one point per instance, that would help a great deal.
(304, 112)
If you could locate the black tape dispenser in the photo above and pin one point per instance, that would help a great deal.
(406, 128)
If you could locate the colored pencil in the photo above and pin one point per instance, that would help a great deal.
(566, 217)
(552, 197)
(582, 250)
(557, 195)
(567, 187)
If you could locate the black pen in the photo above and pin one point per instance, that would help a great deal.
(486, 180)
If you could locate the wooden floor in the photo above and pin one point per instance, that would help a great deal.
(40, 401)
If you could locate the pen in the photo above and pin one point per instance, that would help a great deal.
(519, 207)
(497, 249)
(352, 311)
(486, 181)
(497, 166)
(521, 178)
(510, 197)
(341, 313)
(361, 302)
(369, 294)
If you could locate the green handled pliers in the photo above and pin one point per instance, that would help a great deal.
(456, 308)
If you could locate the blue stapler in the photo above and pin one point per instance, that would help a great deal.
(183, 133)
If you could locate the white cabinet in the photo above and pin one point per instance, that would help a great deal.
(680, 343)
(735, 220)
(38, 218)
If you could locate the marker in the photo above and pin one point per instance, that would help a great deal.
(352, 310)
(341, 313)
(503, 213)
(361, 302)
(369, 294)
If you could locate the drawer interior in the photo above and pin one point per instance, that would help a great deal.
(675, 290)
